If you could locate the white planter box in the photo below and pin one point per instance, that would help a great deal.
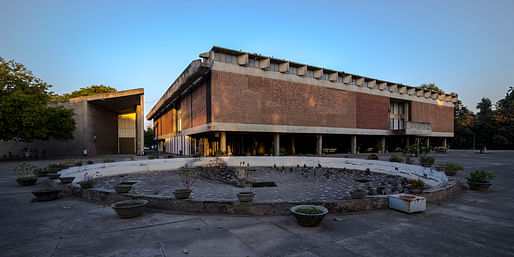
(407, 203)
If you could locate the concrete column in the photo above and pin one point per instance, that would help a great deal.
(293, 149)
(444, 142)
(223, 141)
(428, 142)
(408, 144)
(276, 144)
(383, 144)
(319, 144)
(354, 144)
(140, 125)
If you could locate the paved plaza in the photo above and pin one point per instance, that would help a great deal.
(470, 224)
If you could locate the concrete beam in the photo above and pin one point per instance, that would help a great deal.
(411, 91)
(264, 63)
(382, 86)
(302, 70)
(318, 73)
(283, 67)
(359, 81)
(428, 94)
(333, 76)
(372, 83)
(347, 79)
(242, 59)
(393, 87)
(419, 91)
(402, 89)
(435, 95)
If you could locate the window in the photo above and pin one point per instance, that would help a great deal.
(274, 66)
(325, 76)
(293, 70)
(310, 74)
(253, 63)
(222, 57)
(365, 84)
(339, 79)
(353, 82)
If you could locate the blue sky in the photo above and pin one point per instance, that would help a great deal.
(465, 47)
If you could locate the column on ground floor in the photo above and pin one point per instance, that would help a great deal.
(319, 144)
(354, 144)
(223, 142)
(382, 144)
(276, 144)
(428, 142)
(444, 142)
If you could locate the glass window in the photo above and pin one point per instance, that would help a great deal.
(273, 67)
(353, 82)
(293, 70)
(253, 63)
(310, 74)
(325, 76)
(365, 84)
(339, 79)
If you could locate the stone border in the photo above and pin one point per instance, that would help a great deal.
(430, 176)
(255, 208)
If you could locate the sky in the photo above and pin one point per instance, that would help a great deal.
(466, 47)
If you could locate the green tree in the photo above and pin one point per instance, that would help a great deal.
(504, 118)
(85, 91)
(485, 126)
(463, 127)
(149, 137)
(432, 87)
(24, 111)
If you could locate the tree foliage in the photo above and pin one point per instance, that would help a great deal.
(490, 127)
(432, 87)
(24, 111)
(85, 91)
(149, 137)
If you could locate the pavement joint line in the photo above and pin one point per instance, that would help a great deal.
(162, 249)
(134, 228)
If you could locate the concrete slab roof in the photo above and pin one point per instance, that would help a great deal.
(119, 101)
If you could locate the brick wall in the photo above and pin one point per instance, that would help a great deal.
(240, 98)
(441, 117)
(372, 111)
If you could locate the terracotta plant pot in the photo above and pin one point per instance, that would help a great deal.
(66, 180)
(53, 175)
(86, 184)
(479, 186)
(309, 220)
(46, 194)
(182, 193)
(129, 208)
(245, 196)
(415, 190)
(122, 188)
(358, 195)
(26, 181)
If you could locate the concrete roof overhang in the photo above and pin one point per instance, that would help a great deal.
(119, 102)
(195, 71)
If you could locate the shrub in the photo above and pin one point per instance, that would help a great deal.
(395, 158)
(24, 170)
(78, 163)
(408, 160)
(373, 156)
(188, 177)
(426, 161)
(90, 162)
(480, 176)
(310, 210)
(151, 157)
(108, 160)
(453, 167)
(417, 183)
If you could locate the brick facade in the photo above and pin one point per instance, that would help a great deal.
(441, 117)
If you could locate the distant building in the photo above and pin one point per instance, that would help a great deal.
(247, 104)
(108, 123)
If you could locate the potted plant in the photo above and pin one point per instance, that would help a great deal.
(416, 186)
(426, 161)
(188, 177)
(48, 193)
(358, 193)
(395, 158)
(123, 187)
(25, 174)
(246, 196)
(89, 181)
(450, 169)
(373, 156)
(129, 208)
(53, 175)
(480, 180)
(309, 215)
(66, 180)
